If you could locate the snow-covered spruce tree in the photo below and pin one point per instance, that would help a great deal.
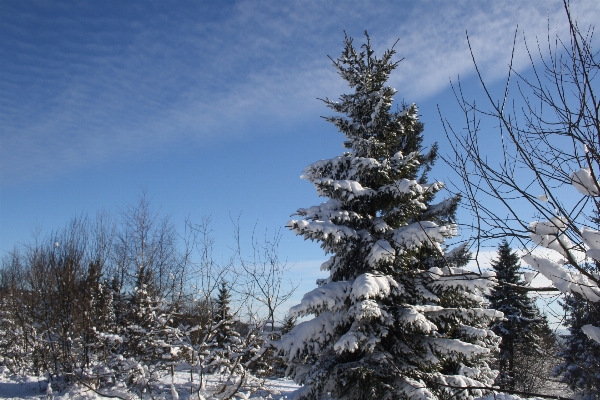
(224, 347)
(389, 323)
(523, 327)
(580, 354)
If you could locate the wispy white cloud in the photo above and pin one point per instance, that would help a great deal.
(83, 89)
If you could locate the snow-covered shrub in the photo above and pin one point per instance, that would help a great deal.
(143, 347)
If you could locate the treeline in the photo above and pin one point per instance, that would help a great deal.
(116, 302)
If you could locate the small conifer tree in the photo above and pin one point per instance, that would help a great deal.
(392, 320)
(289, 322)
(225, 341)
(223, 316)
(523, 329)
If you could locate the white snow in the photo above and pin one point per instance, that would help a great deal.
(351, 189)
(476, 285)
(552, 227)
(326, 229)
(367, 286)
(500, 396)
(423, 233)
(592, 332)
(449, 346)
(564, 279)
(15, 387)
(382, 250)
(309, 335)
(529, 276)
(331, 296)
(326, 296)
(411, 316)
(584, 182)
(591, 238)
(402, 186)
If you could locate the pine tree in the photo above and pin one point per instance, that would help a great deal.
(580, 354)
(392, 320)
(523, 329)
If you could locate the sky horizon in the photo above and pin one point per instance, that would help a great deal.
(212, 107)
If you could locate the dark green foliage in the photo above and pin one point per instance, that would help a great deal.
(581, 355)
(289, 322)
(223, 318)
(523, 329)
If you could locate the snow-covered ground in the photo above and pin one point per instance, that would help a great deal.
(30, 387)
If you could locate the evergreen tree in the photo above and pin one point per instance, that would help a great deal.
(225, 341)
(580, 354)
(523, 329)
(223, 319)
(289, 322)
(144, 343)
(392, 320)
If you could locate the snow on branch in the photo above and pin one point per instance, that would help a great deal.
(456, 349)
(333, 295)
(309, 335)
(324, 297)
(592, 332)
(585, 183)
(425, 233)
(567, 281)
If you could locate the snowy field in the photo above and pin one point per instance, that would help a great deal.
(30, 387)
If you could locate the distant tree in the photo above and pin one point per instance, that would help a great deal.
(393, 320)
(289, 322)
(19, 339)
(223, 318)
(580, 354)
(523, 329)
(117, 306)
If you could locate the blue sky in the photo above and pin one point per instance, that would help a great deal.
(211, 107)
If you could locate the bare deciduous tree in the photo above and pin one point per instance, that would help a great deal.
(536, 181)
(264, 275)
(549, 134)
